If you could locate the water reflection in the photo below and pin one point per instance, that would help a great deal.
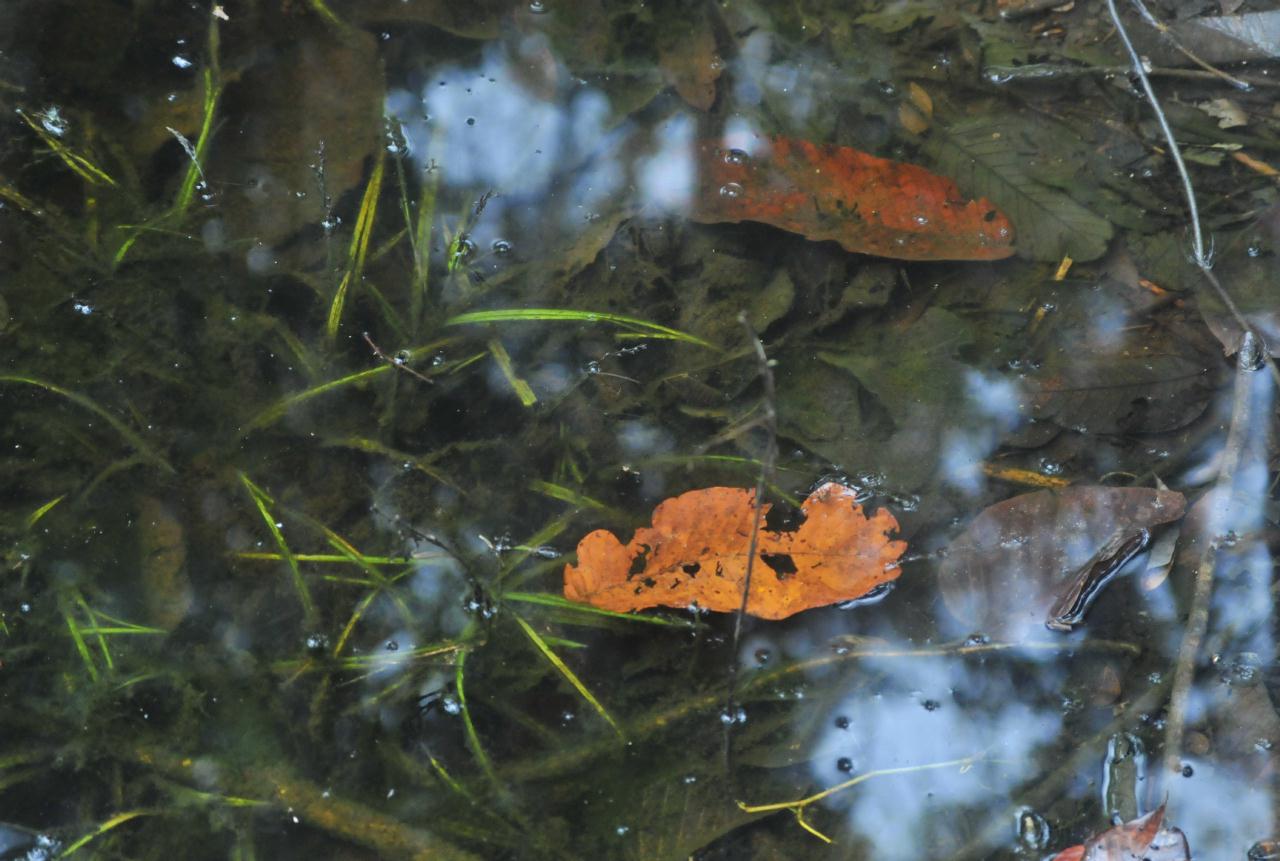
(929, 710)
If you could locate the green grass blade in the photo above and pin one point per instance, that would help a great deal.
(34, 517)
(522, 389)
(557, 602)
(82, 648)
(568, 674)
(261, 500)
(102, 828)
(93, 624)
(276, 411)
(520, 315)
(369, 446)
(83, 168)
(359, 244)
(473, 737)
(80, 400)
(323, 558)
(195, 172)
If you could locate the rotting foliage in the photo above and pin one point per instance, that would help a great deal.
(307, 391)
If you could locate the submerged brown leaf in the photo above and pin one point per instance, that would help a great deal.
(1010, 566)
(697, 549)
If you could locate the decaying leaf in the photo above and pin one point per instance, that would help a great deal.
(1114, 392)
(688, 59)
(1009, 567)
(869, 205)
(696, 553)
(991, 155)
(1144, 839)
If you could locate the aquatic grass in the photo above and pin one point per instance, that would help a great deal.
(104, 827)
(522, 389)
(20, 200)
(118, 626)
(77, 639)
(279, 409)
(644, 328)
(34, 517)
(545, 649)
(321, 558)
(556, 602)
(130, 436)
(262, 501)
(469, 728)
(359, 243)
(368, 662)
(198, 150)
(563, 643)
(571, 496)
(80, 165)
(370, 446)
(535, 544)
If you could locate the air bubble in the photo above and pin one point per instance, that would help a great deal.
(921, 220)
(537, 7)
(501, 247)
(736, 156)
(731, 190)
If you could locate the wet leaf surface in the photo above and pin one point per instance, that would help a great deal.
(696, 553)
(1146, 838)
(1004, 572)
(250, 556)
(869, 205)
(990, 156)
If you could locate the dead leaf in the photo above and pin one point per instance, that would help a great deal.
(1010, 565)
(1226, 112)
(162, 550)
(696, 553)
(689, 60)
(1143, 839)
(869, 205)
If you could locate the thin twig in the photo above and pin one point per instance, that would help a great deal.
(1186, 52)
(1248, 361)
(1199, 255)
(1139, 69)
(394, 362)
(767, 464)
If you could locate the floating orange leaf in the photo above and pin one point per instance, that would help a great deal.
(869, 205)
(1144, 839)
(696, 553)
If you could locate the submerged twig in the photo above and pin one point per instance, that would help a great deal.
(1242, 406)
(1200, 255)
(798, 806)
(769, 421)
(399, 361)
(1186, 52)
(317, 806)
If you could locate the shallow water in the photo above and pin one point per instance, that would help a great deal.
(290, 487)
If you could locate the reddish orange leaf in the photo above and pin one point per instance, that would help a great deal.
(696, 553)
(869, 205)
(1143, 839)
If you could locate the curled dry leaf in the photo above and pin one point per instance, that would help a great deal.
(1144, 839)
(696, 553)
(869, 205)
(1015, 561)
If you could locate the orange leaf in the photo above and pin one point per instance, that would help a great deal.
(696, 553)
(1143, 839)
(869, 205)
